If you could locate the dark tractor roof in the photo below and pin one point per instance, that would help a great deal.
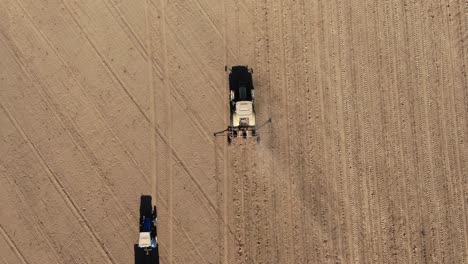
(146, 208)
(146, 257)
(240, 81)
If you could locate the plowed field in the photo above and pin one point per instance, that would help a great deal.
(365, 159)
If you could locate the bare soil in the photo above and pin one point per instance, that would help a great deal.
(365, 159)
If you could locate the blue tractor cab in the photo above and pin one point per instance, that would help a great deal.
(146, 251)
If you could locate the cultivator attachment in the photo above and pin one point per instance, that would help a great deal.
(238, 132)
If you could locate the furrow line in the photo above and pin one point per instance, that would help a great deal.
(347, 78)
(341, 141)
(328, 18)
(123, 23)
(179, 226)
(398, 73)
(62, 121)
(60, 188)
(364, 172)
(390, 143)
(284, 79)
(447, 148)
(81, 86)
(36, 223)
(152, 94)
(325, 218)
(145, 53)
(104, 61)
(109, 69)
(244, 195)
(168, 119)
(416, 130)
(270, 228)
(374, 78)
(194, 117)
(310, 139)
(182, 43)
(226, 158)
(425, 125)
(12, 245)
(458, 151)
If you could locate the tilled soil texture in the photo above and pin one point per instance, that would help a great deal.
(365, 159)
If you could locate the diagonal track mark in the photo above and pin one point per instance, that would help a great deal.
(30, 215)
(12, 245)
(47, 98)
(59, 187)
(161, 136)
(168, 118)
(85, 93)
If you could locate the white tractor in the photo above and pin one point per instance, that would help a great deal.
(241, 104)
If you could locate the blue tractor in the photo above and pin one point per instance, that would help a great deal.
(146, 251)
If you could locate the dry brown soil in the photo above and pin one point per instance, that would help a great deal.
(365, 159)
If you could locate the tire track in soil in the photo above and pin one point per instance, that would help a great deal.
(65, 123)
(348, 123)
(224, 222)
(252, 185)
(283, 177)
(430, 237)
(85, 92)
(180, 40)
(381, 147)
(428, 81)
(60, 188)
(12, 245)
(317, 167)
(409, 149)
(312, 185)
(43, 160)
(458, 56)
(453, 224)
(125, 26)
(21, 62)
(455, 137)
(415, 109)
(114, 197)
(238, 151)
(323, 43)
(133, 36)
(359, 41)
(72, 138)
(266, 251)
(435, 131)
(152, 94)
(295, 92)
(103, 59)
(245, 201)
(167, 120)
(330, 26)
(399, 34)
(32, 217)
(390, 143)
(121, 84)
(370, 157)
